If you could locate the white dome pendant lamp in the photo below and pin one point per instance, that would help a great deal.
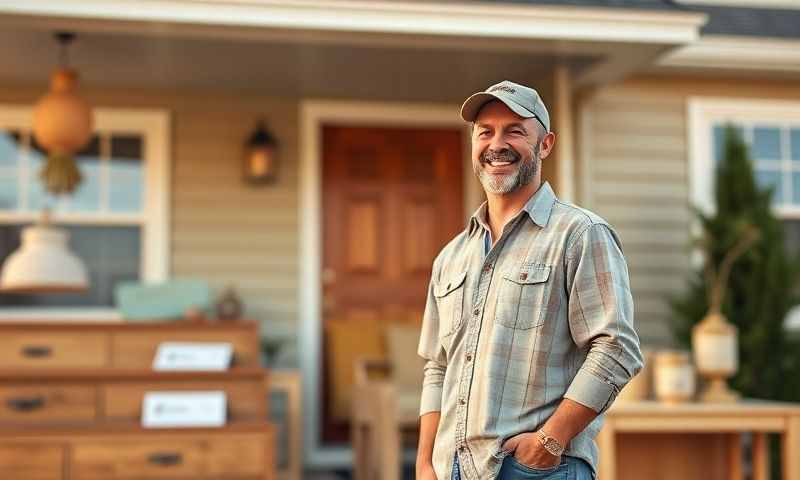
(43, 263)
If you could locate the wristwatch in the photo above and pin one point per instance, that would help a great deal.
(550, 444)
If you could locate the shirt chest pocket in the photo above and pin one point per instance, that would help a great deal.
(523, 296)
(449, 294)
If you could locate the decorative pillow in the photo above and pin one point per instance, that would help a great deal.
(402, 340)
(347, 341)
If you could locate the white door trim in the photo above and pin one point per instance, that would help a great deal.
(313, 115)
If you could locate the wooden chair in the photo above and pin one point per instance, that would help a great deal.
(385, 404)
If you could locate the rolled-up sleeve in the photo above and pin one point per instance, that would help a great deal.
(601, 317)
(431, 350)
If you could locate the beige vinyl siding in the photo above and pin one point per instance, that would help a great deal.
(227, 231)
(221, 229)
(634, 155)
(636, 176)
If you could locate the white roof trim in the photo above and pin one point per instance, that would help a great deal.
(789, 4)
(505, 21)
(729, 52)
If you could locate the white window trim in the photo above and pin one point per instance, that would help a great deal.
(154, 266)
(703, 112)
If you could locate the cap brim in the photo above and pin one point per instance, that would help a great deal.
(473, 105)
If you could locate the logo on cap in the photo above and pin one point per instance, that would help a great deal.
(503, 88)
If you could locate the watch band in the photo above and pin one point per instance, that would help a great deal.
(550, 444)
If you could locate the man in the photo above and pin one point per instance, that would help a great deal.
(528, 329)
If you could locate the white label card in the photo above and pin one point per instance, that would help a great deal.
(184, 409)
(193, 356)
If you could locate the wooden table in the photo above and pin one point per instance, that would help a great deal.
(696, 440)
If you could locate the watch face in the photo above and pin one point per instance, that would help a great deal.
(552, 446)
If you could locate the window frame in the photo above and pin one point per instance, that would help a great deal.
(703, 113)
(154, 127)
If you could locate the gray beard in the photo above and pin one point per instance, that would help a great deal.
(505, 184)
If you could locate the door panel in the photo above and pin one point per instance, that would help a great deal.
(392, 198)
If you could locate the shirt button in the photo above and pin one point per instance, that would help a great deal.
(461, 401)
(469, 358)
(487, 268)
(476, 312)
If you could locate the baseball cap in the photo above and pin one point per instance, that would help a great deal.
(522, 100)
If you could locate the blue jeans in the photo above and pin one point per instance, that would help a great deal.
(571, 468)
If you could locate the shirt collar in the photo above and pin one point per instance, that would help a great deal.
(538, 207)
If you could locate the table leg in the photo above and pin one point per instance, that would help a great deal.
(760, 456)
(606, 443)
(735, 456)
(791, 449)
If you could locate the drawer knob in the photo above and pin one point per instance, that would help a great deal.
(165, 459)
(25, 404)
(37, 351)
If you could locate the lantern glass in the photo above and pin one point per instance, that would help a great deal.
(260, 163)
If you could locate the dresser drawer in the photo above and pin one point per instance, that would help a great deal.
(53, 350)
(195, 457)
(241, 454)
(35, 404)
(138, 349)
(112, 459)
(31, 461)
(246, 398)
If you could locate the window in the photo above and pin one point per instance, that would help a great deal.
(772, 131)
(775, 151)
(116, 218)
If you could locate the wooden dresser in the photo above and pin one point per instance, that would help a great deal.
(71, 397)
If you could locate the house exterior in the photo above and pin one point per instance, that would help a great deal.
(637, 91)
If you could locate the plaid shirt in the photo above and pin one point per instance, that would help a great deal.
(546, 314)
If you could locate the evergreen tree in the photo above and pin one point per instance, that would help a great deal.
(761, 289)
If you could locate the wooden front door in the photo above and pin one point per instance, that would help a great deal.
(392, 198)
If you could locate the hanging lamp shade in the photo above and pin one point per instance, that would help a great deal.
(62, 125)
(43, 263)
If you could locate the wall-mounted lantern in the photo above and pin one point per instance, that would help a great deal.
(261, 156)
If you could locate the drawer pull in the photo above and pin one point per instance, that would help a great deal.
(37, 351)
(25, 404)
(165, 459)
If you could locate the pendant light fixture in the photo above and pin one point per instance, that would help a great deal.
(43, 263)
(62, 124)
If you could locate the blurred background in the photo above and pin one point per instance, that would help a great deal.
(279, 175)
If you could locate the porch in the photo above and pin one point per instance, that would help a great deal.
(214, 69)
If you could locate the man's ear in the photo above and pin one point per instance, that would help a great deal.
(548, 142)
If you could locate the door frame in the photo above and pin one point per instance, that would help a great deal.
(313, 115)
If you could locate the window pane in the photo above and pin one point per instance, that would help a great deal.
(38, 198)
(796, 188)
(126, 176)
(766, 143)
(111, 255)
(86, 197)
(794, 138)
(767, 178)
(9, 149)
(792, 232)
(8, 192)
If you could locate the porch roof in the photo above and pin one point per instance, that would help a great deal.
(600, 44)
(722, 19)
